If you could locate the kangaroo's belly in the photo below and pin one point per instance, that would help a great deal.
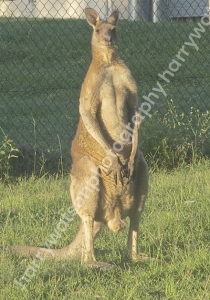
(85, 144)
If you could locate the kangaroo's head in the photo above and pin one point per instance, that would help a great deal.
(104, 32)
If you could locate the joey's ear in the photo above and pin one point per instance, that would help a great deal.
(92, 16)
(112, 19)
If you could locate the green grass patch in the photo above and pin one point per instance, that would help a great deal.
(174, 233)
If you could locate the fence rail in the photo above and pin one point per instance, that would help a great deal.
(45, 53)
(156, 10)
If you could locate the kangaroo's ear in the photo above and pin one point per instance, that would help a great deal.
(112, 19)
(92, 16)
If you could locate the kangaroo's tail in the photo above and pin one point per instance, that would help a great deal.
(72, 251)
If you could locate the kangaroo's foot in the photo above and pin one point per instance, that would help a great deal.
(99, 265)
(141, 257)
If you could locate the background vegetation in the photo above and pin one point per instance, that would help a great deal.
(43, 63)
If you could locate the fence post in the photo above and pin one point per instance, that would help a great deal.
(109, 7)
(209, 8)
(160, 10)
(138, 10)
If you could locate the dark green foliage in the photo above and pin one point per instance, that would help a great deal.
(43, 63)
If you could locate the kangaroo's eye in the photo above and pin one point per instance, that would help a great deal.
(97, 30)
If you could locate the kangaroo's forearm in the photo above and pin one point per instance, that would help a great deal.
(92, 126)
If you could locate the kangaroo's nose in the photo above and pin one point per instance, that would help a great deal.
(108, 38)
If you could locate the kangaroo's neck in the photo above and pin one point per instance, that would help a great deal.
(104, 55)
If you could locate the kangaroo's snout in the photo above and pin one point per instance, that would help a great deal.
(109, 40)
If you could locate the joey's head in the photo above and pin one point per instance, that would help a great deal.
(104, 31)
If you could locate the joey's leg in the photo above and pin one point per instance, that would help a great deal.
(140, 194)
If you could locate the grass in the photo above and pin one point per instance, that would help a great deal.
(174, 234)
(43, 63)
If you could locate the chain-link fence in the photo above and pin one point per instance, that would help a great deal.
(45, 53)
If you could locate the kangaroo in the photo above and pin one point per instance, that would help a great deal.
(109, 175)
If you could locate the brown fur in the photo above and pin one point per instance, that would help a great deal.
(108, 102)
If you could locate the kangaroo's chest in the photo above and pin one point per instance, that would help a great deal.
(114, 95)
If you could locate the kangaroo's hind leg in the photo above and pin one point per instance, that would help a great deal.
(85, 191)
(140, 194)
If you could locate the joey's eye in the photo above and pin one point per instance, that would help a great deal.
(97, 30)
